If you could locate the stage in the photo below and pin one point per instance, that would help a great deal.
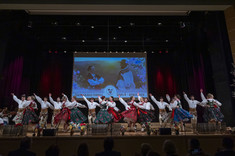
(131, 140)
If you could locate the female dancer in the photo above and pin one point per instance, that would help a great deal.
(130, 114)
(76, 115)
(112, 109)
(163, 115)
(44, 110)
(212, 111)
(103, 116)
(21, 106)
(179, 115)
(145, 111)
(91, 106)
(57, 106)
(29, 115)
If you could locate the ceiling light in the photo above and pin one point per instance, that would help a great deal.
(92, 27)
(65, 51)
(83, 41)
(159, 24)
(125, 41)
(167, 41)
(64, 38)
(119, 27)
(132, 24)
(100, 39)
(114, 38)
(77, 24)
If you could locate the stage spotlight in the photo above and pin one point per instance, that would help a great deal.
(92, 27)
(114, 38)
(125, 41)
(65, 51)
(132, 24)
(30, 23)
(119, 27)
(182, 24)
(77, 24)
(167, 41)
(83, 41)
(159, 24)
(100, 39)
(54, 23)
(64, 38)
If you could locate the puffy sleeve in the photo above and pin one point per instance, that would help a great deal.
(124, 103)
(100, 100)
(168, 98)
(49, 105)
(16, 99)
(186, 98)
(218, 103)
(139, 97)
(51, 100)
(155, 101)
(202, 96)
(111, 104)
(80, 105)
(38, 99)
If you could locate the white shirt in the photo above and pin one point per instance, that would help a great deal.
(161, 105)
(113, 105)
(57, 105)
(102, 103)
(21, 104)
(73, 104)
(145, 105)
(91, 105)
(127, 107)
(204, 101)
(44, 104)
(192, 103)
(174, 104)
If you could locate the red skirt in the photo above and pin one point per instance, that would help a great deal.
(130, 115)
(116, 116)
(64, 115)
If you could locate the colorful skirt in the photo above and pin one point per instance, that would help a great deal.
(130, 115)
(211, 113)
(180, 114)
(116, 116)
(64, 115)
(77, 116)
(145, 116)
(18, 118)
(103, 117)
(29, 116)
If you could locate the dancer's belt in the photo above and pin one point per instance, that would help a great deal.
(91, 111)
(142, 111)
(20, 110)
(56, 111)
(162, 110)
(44, 110)
(192, 109)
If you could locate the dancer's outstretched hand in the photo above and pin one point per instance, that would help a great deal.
(150, 94)
(50, 94)
(201, 90)
(12, 94)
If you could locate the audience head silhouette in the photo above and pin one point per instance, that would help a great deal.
(145, 149)
(25, 143)
(53, 150)
(169, 147)
(228, 143)
(83, 150)
(108, 144)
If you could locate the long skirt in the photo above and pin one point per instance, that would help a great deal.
(211, 113)
(116, 116)
(130, 115)
(18, 118)
(43, 119)
(77, 116)
(103, 117)
(64, 115)
(29, 116)
(180, 114)
(144, 116)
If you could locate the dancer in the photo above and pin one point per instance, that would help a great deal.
(21, 106)
(112, 109)
(57, 107)
(44, 110)
(145, 112)
(76, 115)
(192, 109)
(4, 116)
(91, 109)
(103, 116)
(64, 115)
(212, 111)
(130, 114)
(163, 115)
(29, 115)
(179, 115)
